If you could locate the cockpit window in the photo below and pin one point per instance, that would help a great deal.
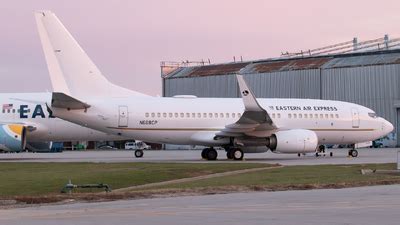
(372, 114)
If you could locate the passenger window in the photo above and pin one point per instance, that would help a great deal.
(205, 115)
(216, 115)
(279, 115)
(337, 116)
(199, 115)
(233, 115)
(300, 116)
(305, 116)
(321, 116)
(4, 111)
(289, 115)
(13, 110)
(310, 116)
(316, 116)
(182, 115)
(170, 115)
(193, 115)
(176, 115)
(153, 115)
(227, 115)
(221, 115)
(146, 115)
(187, 115)
(273, 115)
(164, 115)
(295, 116)
(326, 116)
(239, 114)
(332, 116)
(158, 115)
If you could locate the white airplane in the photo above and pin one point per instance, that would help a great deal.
(239, 125)
(26, 124)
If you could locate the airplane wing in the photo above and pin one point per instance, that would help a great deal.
(254, 118)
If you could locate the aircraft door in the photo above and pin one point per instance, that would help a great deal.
(123, 116)
(355, 115)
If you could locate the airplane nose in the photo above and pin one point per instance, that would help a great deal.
(388, 127)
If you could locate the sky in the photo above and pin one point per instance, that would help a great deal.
(127, 39)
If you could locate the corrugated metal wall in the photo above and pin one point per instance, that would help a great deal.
(374, 86)
(286, 84)
(222, 86)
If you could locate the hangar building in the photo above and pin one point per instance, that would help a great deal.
(369, 78)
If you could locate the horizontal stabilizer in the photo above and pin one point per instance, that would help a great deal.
(61, 100)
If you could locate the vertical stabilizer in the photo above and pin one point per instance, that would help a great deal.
(71, 70)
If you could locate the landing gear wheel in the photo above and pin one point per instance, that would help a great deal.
(229, 154)
(139, 153)
(211, 154)
(237, 154)
(353, 153)
(298, 154)
(204, 153)
(316, 154)
(330, 154)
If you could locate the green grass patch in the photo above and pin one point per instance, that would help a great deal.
(292, 176)
(48, 178)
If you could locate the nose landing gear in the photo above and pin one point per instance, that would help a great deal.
(139, 153)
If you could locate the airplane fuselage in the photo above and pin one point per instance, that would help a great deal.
(195, 121)
(30, 109)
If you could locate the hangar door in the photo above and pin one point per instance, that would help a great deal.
(123, 116)
(355, 117)
(398, 127)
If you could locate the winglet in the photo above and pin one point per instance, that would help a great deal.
(253, 113)
(249, 99)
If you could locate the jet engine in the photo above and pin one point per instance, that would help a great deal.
(12, 137)
(294, 141)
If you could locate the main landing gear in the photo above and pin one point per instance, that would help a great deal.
(353, 153)
(231, 153)
(209, 154)
(234, 153)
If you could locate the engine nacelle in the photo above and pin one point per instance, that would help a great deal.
(12, 137)
(294, 141)
(254, 149)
